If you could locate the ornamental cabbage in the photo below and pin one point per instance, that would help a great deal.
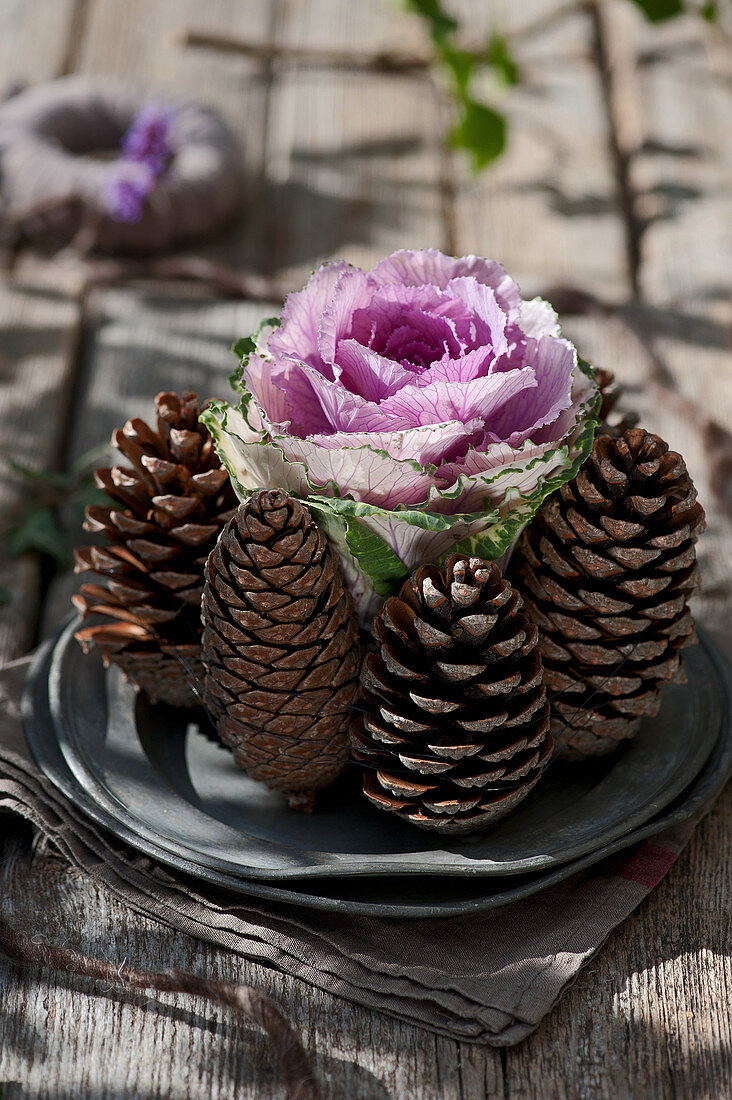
(421, 409)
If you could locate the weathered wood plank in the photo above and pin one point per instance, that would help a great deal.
(686, 165)
(105, 1044)
(144, 42)
(650, 1017)
(329, 150)
(353, 159)
(38, 330)
(547, 209)
(137, 343)
(34, 39)
(672, 344)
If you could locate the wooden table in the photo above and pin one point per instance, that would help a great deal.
(614, 201)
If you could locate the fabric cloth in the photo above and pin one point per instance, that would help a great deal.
(488, 977)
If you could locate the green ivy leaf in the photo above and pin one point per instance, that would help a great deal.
(657, 11)
(441, 24)
(481, 132)
(243, 347)
(38, 530)
(461, 64)
(710, 12)
(498, 55)
(377, 561)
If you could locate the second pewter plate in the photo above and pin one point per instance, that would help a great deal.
(183, 790)
(386, 896)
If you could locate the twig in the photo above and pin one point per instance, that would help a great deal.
(295, 1065)
(385, 61)
(253, 288)
(615, 67)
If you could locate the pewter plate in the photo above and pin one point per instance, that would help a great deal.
(182, 790)
(392, 895)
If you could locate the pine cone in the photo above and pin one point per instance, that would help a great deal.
(611, 392)
(167, 510)
(281, 647)
(607, 568)
(455, 730)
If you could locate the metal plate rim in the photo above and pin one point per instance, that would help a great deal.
(703, 789)
(271, 860)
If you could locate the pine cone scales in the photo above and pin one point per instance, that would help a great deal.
(607, 568)
(455, 729)
(167, 510)
(280, 646)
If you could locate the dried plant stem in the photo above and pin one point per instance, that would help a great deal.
(294, 1063)
(222, 277)
(386, 61)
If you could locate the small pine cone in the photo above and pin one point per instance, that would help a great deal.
(455, 730)
(607, 568)
(167, 509)
(280, 646)
(611, 393)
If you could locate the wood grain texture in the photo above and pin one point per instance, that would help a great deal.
(650, 1016)
(67, 1038)
(351, 164)
(38, 330)
(35, 39)
(547, 210)
(136, 344)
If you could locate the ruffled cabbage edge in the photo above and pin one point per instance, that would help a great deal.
(372, 569)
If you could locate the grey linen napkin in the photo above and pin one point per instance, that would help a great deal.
(487, 977)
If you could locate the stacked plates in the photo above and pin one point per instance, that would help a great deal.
(159, 781)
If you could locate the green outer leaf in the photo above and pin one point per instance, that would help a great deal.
(246, 346)
(349, 508)
(371, 567)
(375, 559)
(243, 347)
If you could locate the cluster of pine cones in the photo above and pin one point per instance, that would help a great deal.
(474, 682)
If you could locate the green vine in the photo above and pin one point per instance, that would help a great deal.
(479, 129)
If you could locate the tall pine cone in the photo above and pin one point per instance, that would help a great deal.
(167, 509)
(607, 568)
(455, 732)
(281, 647)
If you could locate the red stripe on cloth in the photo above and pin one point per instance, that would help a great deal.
(648, 864)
